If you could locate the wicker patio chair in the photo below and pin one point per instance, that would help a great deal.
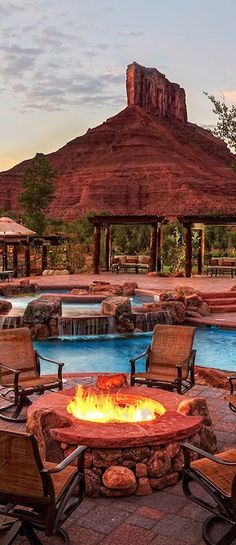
(232, 397)
(215, 475)
(20, 372)
(38, 495)
(169, 359)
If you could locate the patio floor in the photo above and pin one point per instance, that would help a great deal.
(164, 518)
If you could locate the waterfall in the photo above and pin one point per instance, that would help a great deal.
(10, 322)
(147, 320)
(85, 325)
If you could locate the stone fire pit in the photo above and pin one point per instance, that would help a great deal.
(124, 459)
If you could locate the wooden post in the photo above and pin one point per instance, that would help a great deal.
(159, 247)
(188, 251)
(97, 249)
(44, 257)
(153, 248)
(4, 256)
(15, 260)
(201, 248)
(27, 259)
(107, 246)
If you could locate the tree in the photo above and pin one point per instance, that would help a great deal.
(226, 123)
(38, 192)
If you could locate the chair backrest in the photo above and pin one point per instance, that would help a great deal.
(171, 344)
(21, 468)
(17, 351)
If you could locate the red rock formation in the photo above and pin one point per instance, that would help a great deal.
(138, 162)
(149, 89)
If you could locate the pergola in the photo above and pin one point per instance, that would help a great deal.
(15, 235)
(156, 239)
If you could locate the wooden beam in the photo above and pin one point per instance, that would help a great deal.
(188, 251)
(44, 257)
(107, 246)
(153, 248)
(201, 248)
(27, 260)
(159, 247)
(97, 249)
(15, 260)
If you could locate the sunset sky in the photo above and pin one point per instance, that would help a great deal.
(63, 63)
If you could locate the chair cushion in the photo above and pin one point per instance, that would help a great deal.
(219, 475)
(61, 479)
(156, 376)
(25, 383)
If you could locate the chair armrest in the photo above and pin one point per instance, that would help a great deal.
(49, 360)
(15, 371)
(133, 360)
(188, 446)
(75, 454)
(231, 383)
(189, 360)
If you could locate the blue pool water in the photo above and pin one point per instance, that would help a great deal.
(21, 302)
(111, 353)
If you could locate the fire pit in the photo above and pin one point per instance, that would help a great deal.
(120, 407)
(136, 449)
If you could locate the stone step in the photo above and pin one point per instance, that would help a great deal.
(218, 295)
(217, 302)
(223, 308)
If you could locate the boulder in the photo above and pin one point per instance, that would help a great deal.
(143, 487)
(92, 483)
(106, 457)
(193, 299)
(204, 309)
(159, 464)
(136, 453)
(40, 310)
(118, 477)
(108, 382)
(5, 306)
(166, 480)
(176, 310)
(141, 470)
(120, 308)
(129, 288)
(77, 291)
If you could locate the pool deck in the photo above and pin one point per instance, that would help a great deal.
(164, 518)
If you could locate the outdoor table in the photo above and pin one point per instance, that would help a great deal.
(6, 275)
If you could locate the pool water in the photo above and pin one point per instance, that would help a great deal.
(111, 353)
(21, 302)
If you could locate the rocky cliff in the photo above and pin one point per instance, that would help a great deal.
(152, 91)
(139, 161)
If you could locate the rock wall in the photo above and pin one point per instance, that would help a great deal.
(152, 91)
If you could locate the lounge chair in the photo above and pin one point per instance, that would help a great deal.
(37, 495)
(20, 372)
(216, 475)
(169, 359)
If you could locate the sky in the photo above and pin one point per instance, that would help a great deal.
(63, 63)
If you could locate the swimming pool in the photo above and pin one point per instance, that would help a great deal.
(21, 302)
(111, 353)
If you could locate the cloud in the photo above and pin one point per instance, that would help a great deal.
(9, 8)
(230, 96)
(17, 60)
(52, 92)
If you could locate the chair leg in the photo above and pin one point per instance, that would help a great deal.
(14, 529)
(226, 538)
(63, 534)
(30, 534)
(14, 416)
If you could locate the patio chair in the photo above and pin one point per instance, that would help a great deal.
(232, 397)
(37, 495)
(215, 475)
(169, 359)
(20, 372)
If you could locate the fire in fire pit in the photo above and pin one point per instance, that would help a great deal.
(89, 405)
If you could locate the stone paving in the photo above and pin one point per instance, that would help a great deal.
(164, 518)
(202, 283)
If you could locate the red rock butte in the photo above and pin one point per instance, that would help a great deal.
(147, 159)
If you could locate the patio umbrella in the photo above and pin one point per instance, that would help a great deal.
(9, 228)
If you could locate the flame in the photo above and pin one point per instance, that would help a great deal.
(87, 405)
